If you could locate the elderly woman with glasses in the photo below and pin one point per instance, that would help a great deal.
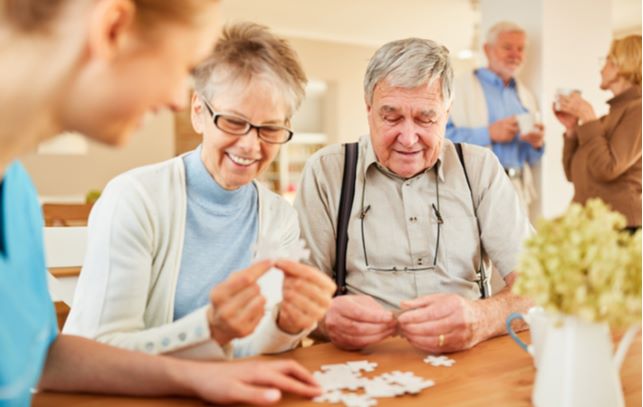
(165, 239)
(602, 155)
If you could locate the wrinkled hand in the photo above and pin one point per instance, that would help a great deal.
(255, 382)
(504, 130)
(307, 295)
(357, 321)
(430, 316)
(535, 138)
(575, 105)
(237, 304)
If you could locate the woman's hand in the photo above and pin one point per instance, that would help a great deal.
(307, 294)
(237, 304)
(254, 382)
(575, 105)
(566, 119)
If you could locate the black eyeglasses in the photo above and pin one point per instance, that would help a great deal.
(238, 126)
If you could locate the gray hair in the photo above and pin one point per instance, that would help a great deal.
(502, 27)
(410, 63)
(248, 51)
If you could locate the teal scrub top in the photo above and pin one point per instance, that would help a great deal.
(27, 316)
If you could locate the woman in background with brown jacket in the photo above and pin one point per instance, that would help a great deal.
(602, 156)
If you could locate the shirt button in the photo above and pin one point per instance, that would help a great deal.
(413, 219)
(420, 261)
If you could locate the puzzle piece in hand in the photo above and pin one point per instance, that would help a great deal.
(270, 249)
(439, 361)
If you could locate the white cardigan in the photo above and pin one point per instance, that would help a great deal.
(125, 293)
(469, 107)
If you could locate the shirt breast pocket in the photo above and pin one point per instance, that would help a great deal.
(461, 247)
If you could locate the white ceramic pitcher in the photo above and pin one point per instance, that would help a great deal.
(578, 367)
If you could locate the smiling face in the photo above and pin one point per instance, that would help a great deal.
(407, 127)
(234, 161)
(505, 55)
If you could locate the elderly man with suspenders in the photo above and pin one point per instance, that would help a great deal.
(409, 223)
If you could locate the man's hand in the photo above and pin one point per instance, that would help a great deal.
(503, 130)
(307, 295)
(237, 304)
(357, 321)
(440, 323)
(535, 138)
(255, 382)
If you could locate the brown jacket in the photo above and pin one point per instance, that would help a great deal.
(604, 159)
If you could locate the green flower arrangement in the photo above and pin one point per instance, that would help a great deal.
(583, 264)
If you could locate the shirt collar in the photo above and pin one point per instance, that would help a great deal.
(370, 160)
(488, 76)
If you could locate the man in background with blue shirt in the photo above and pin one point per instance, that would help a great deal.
(487, 104)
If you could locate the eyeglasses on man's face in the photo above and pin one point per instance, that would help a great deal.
(238, 126)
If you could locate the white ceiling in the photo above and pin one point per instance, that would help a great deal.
(374, 22)
(366, 22)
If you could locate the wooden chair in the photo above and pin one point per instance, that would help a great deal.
(59, 214)
(64, 254)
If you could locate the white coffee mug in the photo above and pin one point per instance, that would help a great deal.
(563, 92)
(526, 122)
(538, 321)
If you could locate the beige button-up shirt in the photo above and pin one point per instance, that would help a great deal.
(397, 249)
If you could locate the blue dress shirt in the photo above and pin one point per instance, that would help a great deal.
(502, 101)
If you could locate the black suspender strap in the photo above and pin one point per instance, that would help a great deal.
(483, 280)
(344, 214)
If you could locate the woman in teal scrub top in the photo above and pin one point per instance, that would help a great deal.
(96, 67)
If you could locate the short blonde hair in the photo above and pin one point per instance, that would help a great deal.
(247, 51)
(625, 53)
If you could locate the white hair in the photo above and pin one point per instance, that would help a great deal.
(502, 27)
(410, 63)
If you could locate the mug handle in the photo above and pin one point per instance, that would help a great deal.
(512, 316)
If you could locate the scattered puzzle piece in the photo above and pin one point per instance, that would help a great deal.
(359, 365)
(439, 361)
(356, 400)
(335, 378)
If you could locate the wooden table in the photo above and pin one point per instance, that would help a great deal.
(494, 373)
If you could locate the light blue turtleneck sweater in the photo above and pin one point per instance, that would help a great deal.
(220, 229)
